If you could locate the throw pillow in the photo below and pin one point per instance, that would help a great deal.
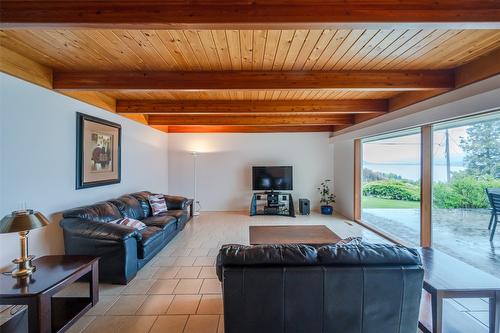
(158, 204)
(350, 241)
(130, 223)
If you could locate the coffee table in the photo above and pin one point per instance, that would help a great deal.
(284, 234)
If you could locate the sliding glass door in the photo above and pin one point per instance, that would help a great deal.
(466, 161)
(390, 181)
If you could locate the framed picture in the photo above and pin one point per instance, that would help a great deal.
(98, 151)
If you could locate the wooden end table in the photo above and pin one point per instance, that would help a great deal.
(291, 234)
(46, 312)
(447, 277)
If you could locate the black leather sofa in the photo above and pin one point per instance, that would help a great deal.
(368, 288)
(122, 249)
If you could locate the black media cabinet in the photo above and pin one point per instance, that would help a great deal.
(272, 203)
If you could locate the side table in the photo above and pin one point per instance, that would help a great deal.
(47, 312)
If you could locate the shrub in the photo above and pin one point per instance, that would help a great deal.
(392, 189)
(463, 192)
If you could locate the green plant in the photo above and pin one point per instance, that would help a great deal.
(463, 191)
(392, 189)
(326, 196)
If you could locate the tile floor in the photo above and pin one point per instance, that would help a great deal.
(178, 291)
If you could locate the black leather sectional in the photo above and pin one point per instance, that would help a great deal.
(122, 250)
(367, 288)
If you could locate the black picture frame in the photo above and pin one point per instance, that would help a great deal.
(80, 122)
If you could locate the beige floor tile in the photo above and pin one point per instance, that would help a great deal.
(190, 272)
(169, 324)
(81, 324)
(213, 252)
(138, 287)
(202, 324)
(210, 286)
(166, 272)
(207, 272)
(204, 261)
(166, 286)
(184, 261)
(188, 286)
(184, 304)
(121, 324)
(105, 302)
(155, 305)
(147, 273)
(110, 289)
(210, 304)
(165, 261)
(77, 289)
(181, 252)
(220, 329)
(126, 305)
(199, 252)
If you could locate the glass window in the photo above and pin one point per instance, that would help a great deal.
(391, 185)
(466, 161)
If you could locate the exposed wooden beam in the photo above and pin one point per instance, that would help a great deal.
(243, 129)
(244, 80)
(251, 106)
(17, 65)
(259, 14)
(286, 119)
(477, 70)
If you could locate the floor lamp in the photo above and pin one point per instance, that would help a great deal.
(196, 203)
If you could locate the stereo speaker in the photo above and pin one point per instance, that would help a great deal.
(304, 206)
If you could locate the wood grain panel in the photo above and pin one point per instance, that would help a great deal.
(296, 14)
(191, 50)
(287, 119)
(267, 107)
(241, 80)
(243, 129)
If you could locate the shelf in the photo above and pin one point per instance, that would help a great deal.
(67, 310)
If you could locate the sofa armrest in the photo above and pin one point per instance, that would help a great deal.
(99, 230)
(176, 202)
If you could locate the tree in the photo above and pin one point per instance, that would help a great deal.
(482, 149)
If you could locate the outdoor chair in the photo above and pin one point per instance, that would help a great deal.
(494, 198)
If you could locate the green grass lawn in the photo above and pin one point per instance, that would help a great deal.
(372, 202)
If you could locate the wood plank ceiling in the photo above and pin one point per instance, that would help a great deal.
(205, 80)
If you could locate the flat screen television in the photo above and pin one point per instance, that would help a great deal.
(272, 178)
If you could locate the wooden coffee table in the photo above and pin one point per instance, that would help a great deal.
(284, 234)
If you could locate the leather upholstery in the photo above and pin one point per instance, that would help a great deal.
(367, 288)
(99, 212)
(142, 197)
(122, 250)
(176, 202)
(129, 207)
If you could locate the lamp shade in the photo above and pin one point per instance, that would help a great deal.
(22, 220)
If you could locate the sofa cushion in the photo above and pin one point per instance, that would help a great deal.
(129, 207)
(158, 204)
(142, 197)
(152, 238)
(99, 212)
(181, 216)
(160, 221)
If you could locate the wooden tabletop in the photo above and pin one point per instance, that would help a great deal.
(50, 271)
(305, 234)
(445, 273)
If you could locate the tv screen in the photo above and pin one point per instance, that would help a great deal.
(272, 178)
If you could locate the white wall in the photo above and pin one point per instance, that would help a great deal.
(475, 98)
(224, 165)
(37, 154)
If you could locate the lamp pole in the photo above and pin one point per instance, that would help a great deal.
(195, 180)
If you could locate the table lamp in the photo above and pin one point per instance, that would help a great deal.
(22, 221)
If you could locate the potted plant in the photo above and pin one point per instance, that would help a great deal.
(327, 198)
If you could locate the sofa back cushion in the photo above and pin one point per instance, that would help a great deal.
(129, 207)
(99, 212)
(142, 197)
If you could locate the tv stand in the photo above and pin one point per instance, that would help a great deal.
(272, 203)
